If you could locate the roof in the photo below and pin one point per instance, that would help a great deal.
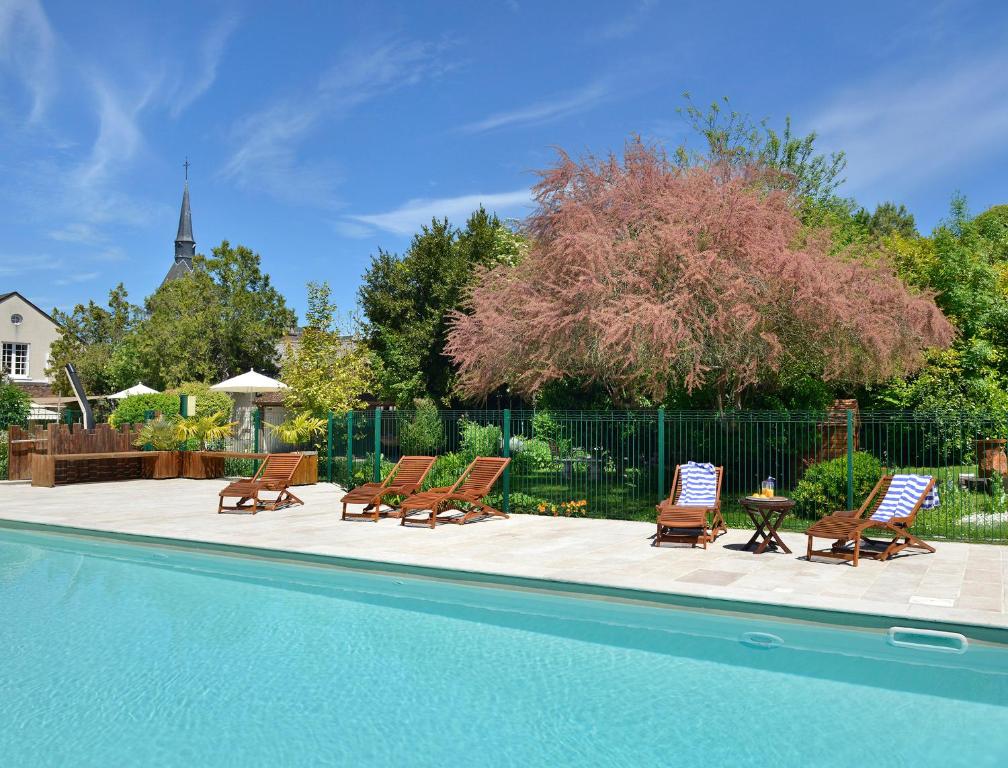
(185, 219)
(178, 270)
(46, 315)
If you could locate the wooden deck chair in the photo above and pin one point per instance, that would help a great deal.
(465, 496)
(891, 507)
(683, 519)
(405, 478)
(274, 475)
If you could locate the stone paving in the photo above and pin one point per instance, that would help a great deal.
(964, 583)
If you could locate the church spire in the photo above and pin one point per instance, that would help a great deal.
(185, 246)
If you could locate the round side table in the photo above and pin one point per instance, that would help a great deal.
(767, 514)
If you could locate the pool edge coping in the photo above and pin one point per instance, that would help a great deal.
(991, 633)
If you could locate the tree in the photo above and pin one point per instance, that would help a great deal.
(407, 300)
(222, 319)
(15, 404)
(98, 342)
(645, 277)
(326, 371)
(887, 219)
(964, 263)
(734, 141)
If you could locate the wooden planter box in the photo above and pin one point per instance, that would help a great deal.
(307, 471)
(197, 466)
(167, 465)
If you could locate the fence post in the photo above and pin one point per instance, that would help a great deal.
(349, 449)
(850, 459)
(256, 427)
(506, 482)
(377, 445)
(328, 452)
(661, 453)
(148, 416)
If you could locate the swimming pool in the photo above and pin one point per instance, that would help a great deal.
(119, 654)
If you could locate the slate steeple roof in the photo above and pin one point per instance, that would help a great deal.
(185, 245)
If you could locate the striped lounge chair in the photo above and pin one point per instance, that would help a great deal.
(696, 493)
(891, 507)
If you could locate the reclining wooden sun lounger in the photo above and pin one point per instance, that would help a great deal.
(405, 478)
(274, 475)
(475, 483)
(891, 507)
(696, 493)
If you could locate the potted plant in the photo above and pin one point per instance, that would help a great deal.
(300, 429)
(161, 435)
(204, 430)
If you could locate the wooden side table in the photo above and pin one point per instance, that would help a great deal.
(767, 514)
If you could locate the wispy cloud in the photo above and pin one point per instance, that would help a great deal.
(623, 27)
(18, 265)
(79, 277)
(268, 156)
(912, 125)
(26, 51)
(545, 111)
(409, 217)
(209, 53)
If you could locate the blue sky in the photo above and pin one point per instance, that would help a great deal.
(319, 132)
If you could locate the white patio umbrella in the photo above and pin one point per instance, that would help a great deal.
(250, 382)
(137, 389)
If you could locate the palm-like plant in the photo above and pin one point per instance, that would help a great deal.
(206, 429)
(299, 428)
(160, 434)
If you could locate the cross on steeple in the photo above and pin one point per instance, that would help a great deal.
(186, 164)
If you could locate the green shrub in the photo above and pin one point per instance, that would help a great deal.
(424, 434)
(132, 409)
(446, 470)
(479, 439)
(208, 402)
(3, 455)
(522, 503)
(15, 404)
(545, 427)
(823, 489)
(363, 469)
(531, 455)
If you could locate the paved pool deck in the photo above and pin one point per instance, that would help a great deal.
(961, 583)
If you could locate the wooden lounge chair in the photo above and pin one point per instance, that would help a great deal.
(469, 490)
(405, 478)
(891, 507)
(683, 520)
(274, 475)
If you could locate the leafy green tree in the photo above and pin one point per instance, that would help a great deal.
(734, 138)
(97, 340)
(15, 404)
(964, 263)
(325, 371)
(407, 299)
(208, 401)
(887, 219)
(222, 319)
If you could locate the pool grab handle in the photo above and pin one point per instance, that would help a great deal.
(927, 639)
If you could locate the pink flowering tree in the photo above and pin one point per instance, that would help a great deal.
(645, 277)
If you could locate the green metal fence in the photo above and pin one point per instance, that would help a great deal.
(619, 465)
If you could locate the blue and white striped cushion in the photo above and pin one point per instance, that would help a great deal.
(699, 485)
(903, 494)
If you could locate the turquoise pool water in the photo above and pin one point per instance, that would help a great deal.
(116, 654)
